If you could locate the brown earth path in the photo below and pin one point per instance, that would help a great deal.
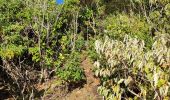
(87, 92)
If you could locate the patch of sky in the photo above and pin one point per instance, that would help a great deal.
(59, 1)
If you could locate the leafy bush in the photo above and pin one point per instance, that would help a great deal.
(37, 38)
(71, 71)
(127, 70)
(138, 18)
(120, 25)
(11, 51)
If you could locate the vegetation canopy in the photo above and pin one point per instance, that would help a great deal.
(128, 41)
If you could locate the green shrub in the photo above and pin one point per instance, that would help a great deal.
(117, 26)
(37, 37)
(11, 51)
(71, 71)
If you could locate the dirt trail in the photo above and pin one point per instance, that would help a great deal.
(87, 92)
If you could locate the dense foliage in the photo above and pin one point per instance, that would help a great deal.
(128, 71)
(40, 39)
(133, 60)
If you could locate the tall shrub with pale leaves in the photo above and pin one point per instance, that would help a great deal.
(127, 70)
